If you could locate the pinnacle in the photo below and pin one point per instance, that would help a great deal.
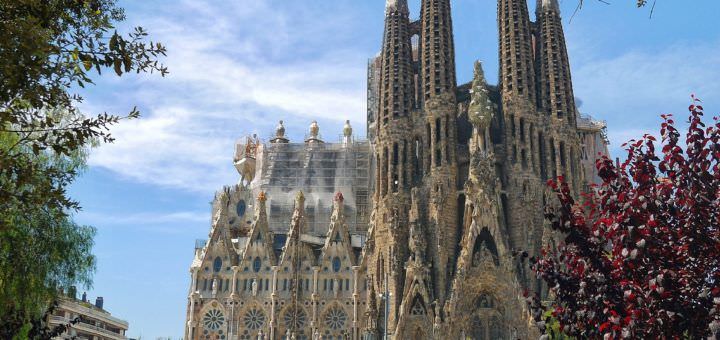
(396, 6)
(548, 5)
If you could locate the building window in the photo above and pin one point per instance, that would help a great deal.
(254, 319)
(240, 208)
(336, 318)
(295, 317)
(336, 264)
(257, 264)
(217, 264)
(213, 320)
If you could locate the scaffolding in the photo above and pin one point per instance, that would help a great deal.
(319, 170)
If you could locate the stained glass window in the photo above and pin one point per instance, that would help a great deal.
(296, 315)
(254, 319)
(217, 264)
(241, 208)
(257, 264)
(213, 320)
(335, 318)
(336, 264)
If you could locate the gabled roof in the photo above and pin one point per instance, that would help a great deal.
(338, 234)
(260, 231)
(294, 246)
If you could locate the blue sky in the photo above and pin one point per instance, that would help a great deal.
(237, 67)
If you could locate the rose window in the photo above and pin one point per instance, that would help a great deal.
(336, 318)
(213, 320)
(254, 319)
(297, 315)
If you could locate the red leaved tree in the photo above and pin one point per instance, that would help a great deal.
(640, 257)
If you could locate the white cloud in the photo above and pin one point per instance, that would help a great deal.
(235, 69)
(632, 90)
(147, 218)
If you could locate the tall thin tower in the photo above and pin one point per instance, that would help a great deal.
(392, 145)
(437, 74)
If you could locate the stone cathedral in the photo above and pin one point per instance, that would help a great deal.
(410, 233)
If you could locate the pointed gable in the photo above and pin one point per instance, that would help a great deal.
(337, 241)
(293, 246)
(260, 239)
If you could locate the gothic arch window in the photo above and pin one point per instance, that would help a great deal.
(257, 264)
(217, 264)
(336, 264)
(485, 246)
(418, 306)
(240, 208)
(487, 321)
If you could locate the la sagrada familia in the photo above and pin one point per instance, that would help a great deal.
(415, 232)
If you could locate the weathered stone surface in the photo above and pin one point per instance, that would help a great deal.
(416, 228)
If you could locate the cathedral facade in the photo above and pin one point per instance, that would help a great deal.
(414, 232)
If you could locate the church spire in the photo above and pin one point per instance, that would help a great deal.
(554, 81)
(438, 50)
(396, 81)
(517, 74)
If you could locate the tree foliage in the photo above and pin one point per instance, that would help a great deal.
(641, 255)
(50, 49)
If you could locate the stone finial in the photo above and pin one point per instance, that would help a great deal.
(314, 137)
(314, 129)
(481, 109)
(347, 129)
(280, 130)
(280, 134)
(299, 199)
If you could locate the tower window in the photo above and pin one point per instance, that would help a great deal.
(336, 264)
(257, 264)
(240, 208)
(217, 264)
(437, 130)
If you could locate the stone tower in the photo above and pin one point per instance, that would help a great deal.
(392, 140)
(556, 100)
(413, 233)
